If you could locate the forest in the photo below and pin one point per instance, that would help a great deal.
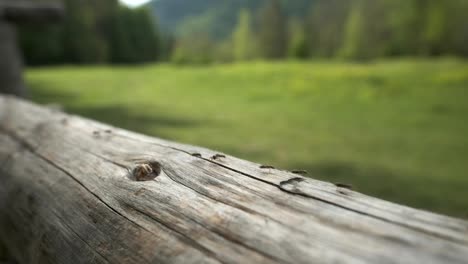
(346, 29)
(203, 31)
(93, 32)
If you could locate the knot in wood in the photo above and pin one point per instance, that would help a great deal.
(147, 171)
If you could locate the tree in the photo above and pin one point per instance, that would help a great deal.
(145, 35)
(41, 45)
(166, 46)
(194, 49)
(326, 22)
(94, 32)
(273, 35)
(368, 32)
(297, 46)
(434, 32)
(353, 34)
(457, 26)
(135, 38)
(80, 22)
(404, 20)
(242, 37)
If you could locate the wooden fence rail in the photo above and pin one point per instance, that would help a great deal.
(74, 190)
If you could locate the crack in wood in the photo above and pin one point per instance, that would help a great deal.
(237, 206)
(34, 151)
(80, 238)
(234, 205)
(305, 195)
(292, 192)
(181, 235)
(244, 209)
(204, 200)
(295, 191)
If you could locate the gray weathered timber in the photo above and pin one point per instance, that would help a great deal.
(11, 68)
(67, 195)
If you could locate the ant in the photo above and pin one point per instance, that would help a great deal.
(218, 156)
(344, 186)
(300, 172)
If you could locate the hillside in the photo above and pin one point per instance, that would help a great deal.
(215, 17)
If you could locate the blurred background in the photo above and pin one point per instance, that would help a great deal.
(368, 92)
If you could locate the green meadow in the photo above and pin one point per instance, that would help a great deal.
(395, 129)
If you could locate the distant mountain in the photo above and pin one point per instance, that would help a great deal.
(215, 17)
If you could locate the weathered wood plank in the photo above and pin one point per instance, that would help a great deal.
(68, 195)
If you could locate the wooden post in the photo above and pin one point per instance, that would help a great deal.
(11, 80)
(11, 68)
(77, 191)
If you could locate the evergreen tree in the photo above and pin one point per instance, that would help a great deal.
(144, 35)
(458, 27)
(353, 33)
(194, 49)
(242, 37)
(433, 36)
(273, 35)
(404, 22)
(135, 38)
(41, 45)
(122, 46)
(368, 32)
(94, 32)
(297, 47)
(166, 46)
(80, 23)
(104, 31)
(326, 23)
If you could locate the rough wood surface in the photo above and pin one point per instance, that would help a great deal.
(68, 195)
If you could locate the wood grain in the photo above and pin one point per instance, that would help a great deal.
(68, 195)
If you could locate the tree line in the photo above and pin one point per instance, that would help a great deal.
(345, 29)
(106, 32)
(93, 32)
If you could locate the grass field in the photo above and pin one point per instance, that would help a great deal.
(397, 130)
